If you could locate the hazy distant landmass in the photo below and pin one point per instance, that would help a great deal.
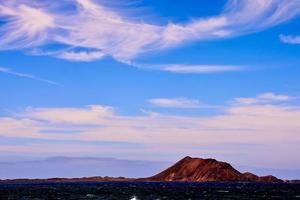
(186, 170)
(70, 167)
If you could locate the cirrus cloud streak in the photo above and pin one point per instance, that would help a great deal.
(104, 31)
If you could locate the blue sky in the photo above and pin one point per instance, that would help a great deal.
(148, 80)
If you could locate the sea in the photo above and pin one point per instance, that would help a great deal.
(148, 191)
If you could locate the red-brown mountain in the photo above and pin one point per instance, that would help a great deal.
(197, 170)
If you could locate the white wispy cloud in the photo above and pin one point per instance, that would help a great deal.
(290, 39)
(175, 102)
(81, 56)
(189, 69)
(274, 97)
(271, 124)
(265, 98)
(75, 115)
(91, 25)
(23, 75)
(25, 25)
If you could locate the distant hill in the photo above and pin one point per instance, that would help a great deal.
(199, 170)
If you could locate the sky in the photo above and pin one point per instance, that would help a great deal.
(151, 80)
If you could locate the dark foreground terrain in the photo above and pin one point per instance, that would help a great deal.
(148, 190)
